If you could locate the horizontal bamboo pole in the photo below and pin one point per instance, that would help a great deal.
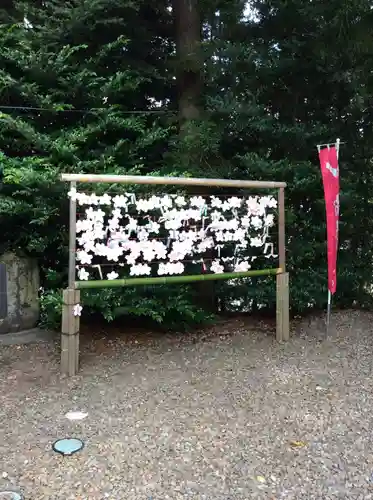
(181, 181)
(169, 280)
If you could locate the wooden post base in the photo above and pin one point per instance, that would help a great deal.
(282, 307)
(70, 333)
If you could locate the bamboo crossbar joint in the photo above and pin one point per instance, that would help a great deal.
(181, 181)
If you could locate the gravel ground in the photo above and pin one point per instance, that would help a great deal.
(225, 414)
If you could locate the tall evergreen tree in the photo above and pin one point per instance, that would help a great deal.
(97, 87)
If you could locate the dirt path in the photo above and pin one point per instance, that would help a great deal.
(228, 414)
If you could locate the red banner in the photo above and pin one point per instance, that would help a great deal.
(330, 174)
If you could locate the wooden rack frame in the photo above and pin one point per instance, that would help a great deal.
(71, 296)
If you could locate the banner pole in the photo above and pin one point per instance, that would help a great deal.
(328, 312)
(337, 143)
(329, 307)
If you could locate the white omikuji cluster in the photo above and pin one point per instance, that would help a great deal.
(194, 226)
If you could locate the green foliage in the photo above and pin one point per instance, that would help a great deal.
(51, 309)
(169, 307)
(297, 74)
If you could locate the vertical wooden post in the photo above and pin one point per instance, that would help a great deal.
(282, 283)
(70, 333)
(281, 229)
(71, 298)
(282, 307)
(72, 239)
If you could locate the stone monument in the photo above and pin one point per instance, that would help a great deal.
(19, 293)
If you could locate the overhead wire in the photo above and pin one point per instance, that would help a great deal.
(91, 110)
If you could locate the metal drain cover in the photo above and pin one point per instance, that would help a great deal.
(67, 446)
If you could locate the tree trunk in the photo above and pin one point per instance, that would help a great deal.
(189, 81)
(188, 46)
